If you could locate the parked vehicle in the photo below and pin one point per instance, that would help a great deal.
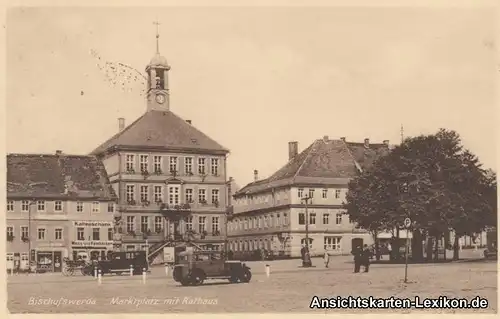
(194, 267)
(121, 262)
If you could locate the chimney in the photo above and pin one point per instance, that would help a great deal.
(255, 175)
(367, 142)
(325, 138)
(188, 121)
(58, 152)
(343, 138)
(386, 142)
(293, 149)
(121, 124)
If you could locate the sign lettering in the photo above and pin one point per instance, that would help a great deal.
(91, 243)
(93, 223)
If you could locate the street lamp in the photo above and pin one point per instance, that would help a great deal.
(306, 261)
(31, 204)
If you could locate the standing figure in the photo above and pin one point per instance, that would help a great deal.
(357, 253)
(366, 257)
(326, 257)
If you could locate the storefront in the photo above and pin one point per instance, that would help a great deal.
(48, 259)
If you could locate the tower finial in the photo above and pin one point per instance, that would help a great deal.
(157, 36)
(402, 134)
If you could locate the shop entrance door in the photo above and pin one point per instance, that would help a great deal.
(57, 261)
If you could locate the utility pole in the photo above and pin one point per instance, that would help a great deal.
(306, 262)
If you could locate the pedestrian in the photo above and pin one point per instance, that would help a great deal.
(357, 253)
(366, 257)
(326, 257)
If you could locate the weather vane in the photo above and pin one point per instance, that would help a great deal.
(157, 35)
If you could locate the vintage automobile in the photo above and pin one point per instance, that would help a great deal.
(120, 262)
(194, 267)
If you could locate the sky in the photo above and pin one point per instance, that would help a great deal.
(255, 78)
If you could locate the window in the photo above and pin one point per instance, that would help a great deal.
(338, 218)
(202, 195)
(96, 234)
(303, 242)
(158, 193)
(40, 205)
(271, 221)
(337, 193)
(158, 224)
(214, 166)
(144, 224)
(311, 193)
(95, 207)
(130, 163)
(188, 165)
(144, 163)
(58, 233)
(278, 220)
(10, 206)
(285, 219)
(189, 223)
(202, 224)
(300, 192)
(110, 233)
(302, 219)
(79, 207)
(111, 207)
(41, 233)
(25, 206)
(157, 164)
(324, 193)
(173, 164)
(215, 196)
(80, 233)
(58, 206)
(331, 243)
(312, 218)
(10, 231)
(189, 195)
(173, 195)
(130, 224)
(201, 166)
(215, 225)
(266, 221)
(326, 219)
(130, 193)
(144, 193)
(24, 232)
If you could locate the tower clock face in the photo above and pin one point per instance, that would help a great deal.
(160, 98)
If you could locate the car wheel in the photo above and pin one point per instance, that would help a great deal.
(197, 278)
(245, 276)
(185, 282)
(233, 279)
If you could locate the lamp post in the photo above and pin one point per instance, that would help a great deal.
(31, 204)
(306, 262)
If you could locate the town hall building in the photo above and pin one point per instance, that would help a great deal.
(169, 176)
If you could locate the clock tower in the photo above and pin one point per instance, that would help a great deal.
(157, 75)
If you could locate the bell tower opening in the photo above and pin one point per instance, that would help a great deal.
(157, 86)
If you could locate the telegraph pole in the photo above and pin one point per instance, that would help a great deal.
(307, 257)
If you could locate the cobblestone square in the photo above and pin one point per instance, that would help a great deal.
(288, 289)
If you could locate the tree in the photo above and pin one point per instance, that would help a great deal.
(430, 179)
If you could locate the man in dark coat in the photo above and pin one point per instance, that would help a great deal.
(358, 255)
(366, 257)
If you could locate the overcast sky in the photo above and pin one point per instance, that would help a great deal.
(255, 78)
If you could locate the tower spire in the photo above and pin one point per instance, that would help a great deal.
(157, 36)
(402, 134)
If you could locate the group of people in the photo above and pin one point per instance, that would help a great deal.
(361, 258)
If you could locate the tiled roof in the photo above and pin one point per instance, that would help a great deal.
(57, 176)
(329, 162)
(161, 129)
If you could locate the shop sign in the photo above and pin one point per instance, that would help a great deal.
(51, 245)
(89, 223)
(86, 243)
(169, 254)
